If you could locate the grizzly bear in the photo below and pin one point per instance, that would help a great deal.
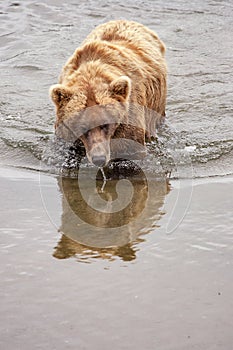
(112, 87)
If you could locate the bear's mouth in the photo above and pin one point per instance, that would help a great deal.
(99, 161)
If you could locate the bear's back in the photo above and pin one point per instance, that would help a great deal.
(123, 32)
(123, 48)
(130, 35)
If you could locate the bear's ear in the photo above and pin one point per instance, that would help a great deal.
(60, 94)
(120, 88)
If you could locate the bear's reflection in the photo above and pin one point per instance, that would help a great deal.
(107, 219)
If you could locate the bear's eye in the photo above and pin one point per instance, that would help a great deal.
(104, 127)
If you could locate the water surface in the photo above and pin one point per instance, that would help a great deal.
(166, 291)
(38, 37)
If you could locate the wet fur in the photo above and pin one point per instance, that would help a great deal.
(120, 64)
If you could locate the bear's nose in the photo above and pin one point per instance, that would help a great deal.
(99, 160)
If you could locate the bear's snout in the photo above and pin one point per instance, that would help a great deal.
(99, 161)
(99, 154)
(97, 144)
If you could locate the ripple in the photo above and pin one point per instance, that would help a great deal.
(39, 37)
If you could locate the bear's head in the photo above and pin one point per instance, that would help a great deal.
(92, 113)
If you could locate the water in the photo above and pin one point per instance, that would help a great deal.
(163, 291)
(140, 261)
(38, 37)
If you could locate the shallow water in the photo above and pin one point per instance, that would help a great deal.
(141, 261)
(163, 291)
(38, 37)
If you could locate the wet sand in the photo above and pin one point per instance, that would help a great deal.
(175, 294)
